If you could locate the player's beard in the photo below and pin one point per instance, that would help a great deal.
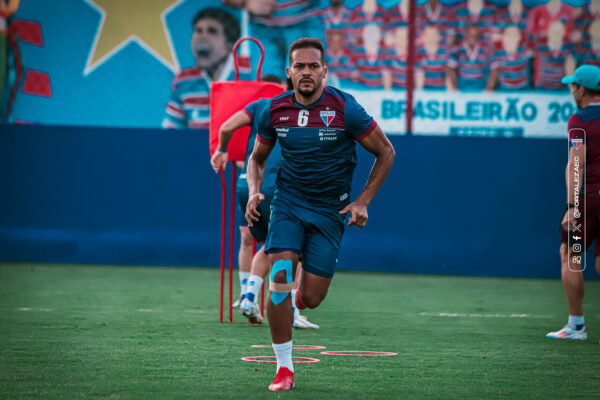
(307, 92)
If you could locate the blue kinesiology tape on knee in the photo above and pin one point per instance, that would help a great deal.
(281, 265)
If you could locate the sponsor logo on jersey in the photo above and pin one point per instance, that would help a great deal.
(576, 143)
(284, 118)
(281, 131)
(327, 117)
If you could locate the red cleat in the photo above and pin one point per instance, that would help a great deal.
(299, 304)
(284, 380)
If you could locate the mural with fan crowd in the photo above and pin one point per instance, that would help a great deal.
(149, 63)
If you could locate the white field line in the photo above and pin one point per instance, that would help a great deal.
(473, 315)
(144, 310)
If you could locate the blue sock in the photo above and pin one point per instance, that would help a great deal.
(576, 322)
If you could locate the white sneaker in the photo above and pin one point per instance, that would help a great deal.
(238, 302)
(302, 323)
(251, 311)
(567, 333)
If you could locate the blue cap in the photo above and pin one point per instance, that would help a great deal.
(587, 76)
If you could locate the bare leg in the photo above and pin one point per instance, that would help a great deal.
(281, 316)
(245, 254)
(312, 289)
(572, 280)
(260, 263)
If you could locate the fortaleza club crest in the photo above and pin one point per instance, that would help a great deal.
(576, 143)
(327, 117)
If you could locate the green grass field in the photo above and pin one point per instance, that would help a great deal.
(85, 332)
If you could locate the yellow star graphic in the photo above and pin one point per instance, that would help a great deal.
(140, 21)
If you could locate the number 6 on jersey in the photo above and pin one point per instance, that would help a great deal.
(303, 118)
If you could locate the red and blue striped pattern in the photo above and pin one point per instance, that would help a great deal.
(513, 69)
(472, 65)
(368, 68)
(551, 67)
(433, 67)
(289, 12)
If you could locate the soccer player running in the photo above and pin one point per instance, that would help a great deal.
(584, 155)
(260, 263)
(317, 127)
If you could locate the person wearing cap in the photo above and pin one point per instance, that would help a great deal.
(581, 221)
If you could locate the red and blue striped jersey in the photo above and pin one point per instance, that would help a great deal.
(318, 145)
(368, 67)
(440, 18)
(582, 25)
(289, 12)
(360, 19)
(472, 64)
(551, 67)
(394, 18)
(433, 67)
(590, 56)
(505, 19)
(584, 20)
(341, 22)
(462, 17)
(339, 64)
(397, 65)
(513, 69)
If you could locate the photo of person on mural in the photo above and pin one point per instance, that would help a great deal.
(215, 32)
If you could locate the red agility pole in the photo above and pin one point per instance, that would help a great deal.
(231, 237)
(226, 98)
(223, 215)
(410, 64)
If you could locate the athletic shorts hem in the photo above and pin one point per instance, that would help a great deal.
(317, 272)
(273, 250)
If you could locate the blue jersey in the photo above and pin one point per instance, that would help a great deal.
(274, 161)
(317, 145)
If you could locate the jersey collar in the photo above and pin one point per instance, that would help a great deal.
(311, 104)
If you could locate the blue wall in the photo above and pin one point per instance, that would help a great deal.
(463, 206)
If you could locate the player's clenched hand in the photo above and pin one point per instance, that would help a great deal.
(219, 161)
(359, 215)
(570, 219)
(252, 213)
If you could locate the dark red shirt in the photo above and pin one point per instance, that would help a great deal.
(585, 124)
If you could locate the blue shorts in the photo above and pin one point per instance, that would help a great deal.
(316, 234)
(261, 227)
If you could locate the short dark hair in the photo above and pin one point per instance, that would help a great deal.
(589, 92)
(230, 24)
(308, 43)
